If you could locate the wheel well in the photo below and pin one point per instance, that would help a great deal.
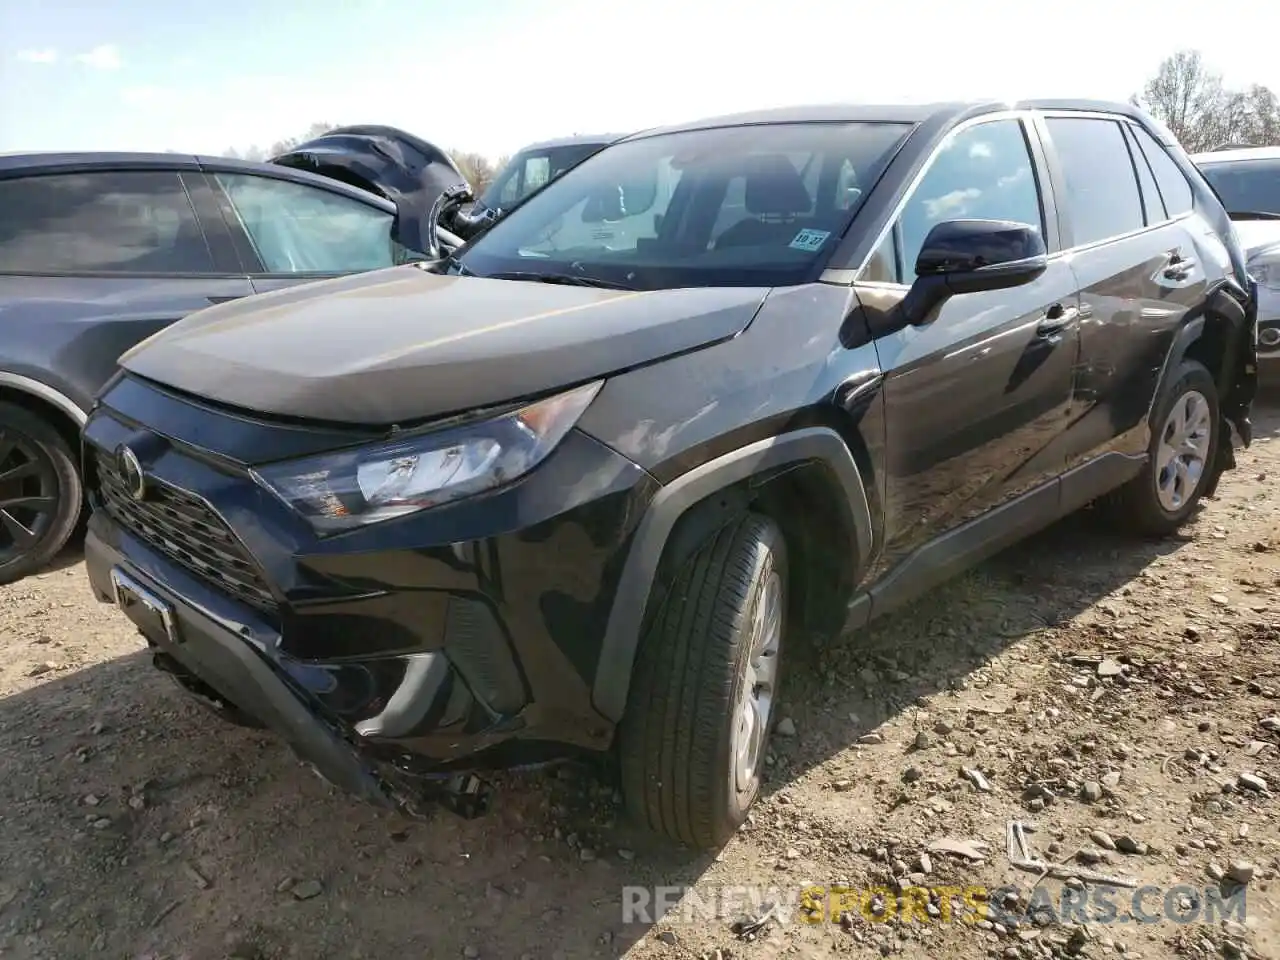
(1210, 348)
(67, 428)
(807, 503)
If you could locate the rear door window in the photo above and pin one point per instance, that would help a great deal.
(128, 222)
(1102, 197)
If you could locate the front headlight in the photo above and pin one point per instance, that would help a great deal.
(1265, 268)
(352, 488)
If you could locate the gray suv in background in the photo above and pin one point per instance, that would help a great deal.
(100, 250)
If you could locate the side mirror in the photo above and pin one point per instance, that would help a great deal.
(970, 256)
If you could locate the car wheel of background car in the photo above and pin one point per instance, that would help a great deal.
(40, 492)
(693, 740)
(1184, 439)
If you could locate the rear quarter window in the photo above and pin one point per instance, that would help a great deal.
(1174, 189)
(134, 221)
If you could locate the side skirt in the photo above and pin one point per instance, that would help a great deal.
(960, 549)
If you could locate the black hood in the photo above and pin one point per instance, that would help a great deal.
(408, 171)
(402, 345)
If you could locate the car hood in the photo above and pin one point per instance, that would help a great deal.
(404, 344)
(1257, 235)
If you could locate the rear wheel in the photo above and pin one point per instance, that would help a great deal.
(1184, 445)
(693, 741)
(40, 492)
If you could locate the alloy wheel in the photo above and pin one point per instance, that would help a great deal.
(755, 701)
(1183, 452)
(28, 495)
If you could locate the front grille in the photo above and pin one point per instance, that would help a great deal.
(184, 529)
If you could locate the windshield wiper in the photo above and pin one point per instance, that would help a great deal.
(1252, 215)
(569, 279)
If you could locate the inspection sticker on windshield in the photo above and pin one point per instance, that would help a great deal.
(809, 239)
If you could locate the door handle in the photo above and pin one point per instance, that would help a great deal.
(1056, 319)
(1179, 267)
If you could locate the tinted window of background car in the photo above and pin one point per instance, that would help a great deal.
(100, 222)
(1174, 188)
(1246, 185)
(295, 228)
(1102, 188)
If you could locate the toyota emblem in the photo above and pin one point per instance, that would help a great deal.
(135, 481)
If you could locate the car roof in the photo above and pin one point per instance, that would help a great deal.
(69, 162)
(917, 113)
(56, 159)
(1236, 153)
(578, 139)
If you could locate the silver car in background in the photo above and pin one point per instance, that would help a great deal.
(1248, 181)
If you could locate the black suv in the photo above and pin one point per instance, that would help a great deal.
(539, 499)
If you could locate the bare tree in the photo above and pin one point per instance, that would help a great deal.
(475, 167)
(1191, 100)
(258, 154)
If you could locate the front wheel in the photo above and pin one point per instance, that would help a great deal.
(1185, 435)
(693, 741)
(40, 493)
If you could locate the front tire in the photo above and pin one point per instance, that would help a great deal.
(693, 740)
(40, 493)
(1186, 431)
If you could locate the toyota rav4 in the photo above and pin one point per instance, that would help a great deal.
(554, 494)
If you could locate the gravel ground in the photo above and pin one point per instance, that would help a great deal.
(1121, 697)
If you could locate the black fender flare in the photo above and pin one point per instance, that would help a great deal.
(626, 616)
(1224, 304)
(1187, 334)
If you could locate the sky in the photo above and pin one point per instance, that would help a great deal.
(492, 75)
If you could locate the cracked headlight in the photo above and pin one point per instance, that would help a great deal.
(352, 488)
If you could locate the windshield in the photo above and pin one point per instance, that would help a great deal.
(732, 206)
(1246, 185)
(530, 170)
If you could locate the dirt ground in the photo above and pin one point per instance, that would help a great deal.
(1112, 693)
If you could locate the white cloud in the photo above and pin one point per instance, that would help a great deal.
(47, 55)
(103, 57)
(142, 96)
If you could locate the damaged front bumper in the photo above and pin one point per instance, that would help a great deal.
(215, 658)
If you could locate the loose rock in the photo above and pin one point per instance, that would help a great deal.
(1251, 781)
(1241, 871)
(307, 889)
(786, 727)
(1110, 668)
(1127, 844)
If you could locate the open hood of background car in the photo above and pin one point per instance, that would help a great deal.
(408, 171)
(403, 344)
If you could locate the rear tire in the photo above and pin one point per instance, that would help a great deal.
(1186, 430)
(40, 493)
(692, 742)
